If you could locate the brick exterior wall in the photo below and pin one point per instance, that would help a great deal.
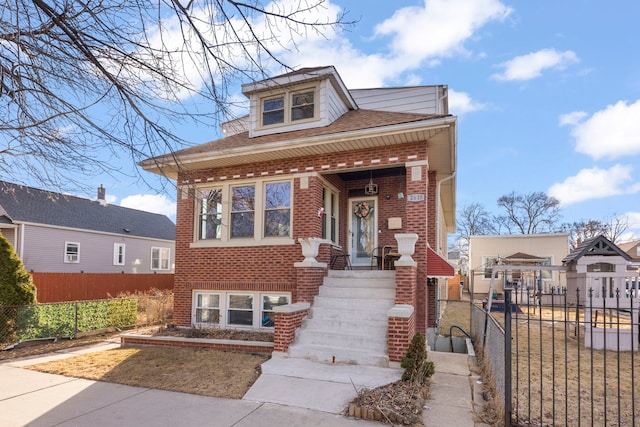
(406, 289)
(271, 268)
(308, 284)
(226, 345)
(285, 328)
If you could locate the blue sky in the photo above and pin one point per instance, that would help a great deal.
(547, 93)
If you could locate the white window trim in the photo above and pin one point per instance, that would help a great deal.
(261, 311)
(258, 238)
(221, 298)
(252, 310)
(116, 253)
(329, 190)
(224, 308)
(484, 265)
(288, 95)
(160, 250)
(67, 257)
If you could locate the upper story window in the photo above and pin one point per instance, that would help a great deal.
(330, 218)
(273, 111)
(289, 107)
(243, 211)
(277, 209)
(255, 210)
(71, 252)
(210, 217)
(118, 253)
(159, 258)
(302, 106)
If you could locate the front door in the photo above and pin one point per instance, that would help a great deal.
(363, 230)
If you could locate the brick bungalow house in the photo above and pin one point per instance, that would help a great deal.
(317, 166)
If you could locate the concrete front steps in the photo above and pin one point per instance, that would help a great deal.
(347, 323)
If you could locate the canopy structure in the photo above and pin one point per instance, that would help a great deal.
(438, 267)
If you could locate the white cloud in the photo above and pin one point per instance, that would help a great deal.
(411, 46)
(572, 118)
(438, 28)
(461, 103)
(634, 223)
(594, 183)
(610, 133)
(155, 203)
(530, 66)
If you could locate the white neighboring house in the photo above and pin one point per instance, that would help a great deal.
(53, 232)
(523, 249)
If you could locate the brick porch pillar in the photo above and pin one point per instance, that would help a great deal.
(309, 273)
(402, 316)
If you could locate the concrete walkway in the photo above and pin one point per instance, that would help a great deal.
(299, 391)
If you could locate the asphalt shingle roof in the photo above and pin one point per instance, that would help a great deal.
(350, 121)
(19, 203)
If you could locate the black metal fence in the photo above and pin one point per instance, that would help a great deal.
(68, 319)
(564, 364)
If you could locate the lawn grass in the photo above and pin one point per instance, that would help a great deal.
(197, 371)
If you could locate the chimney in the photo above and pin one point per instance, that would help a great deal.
(101, 195)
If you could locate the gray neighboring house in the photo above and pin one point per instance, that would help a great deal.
(53, 232)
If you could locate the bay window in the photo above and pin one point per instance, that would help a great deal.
(242, 211)
(210, 221)
(256, 211)
(277, 209)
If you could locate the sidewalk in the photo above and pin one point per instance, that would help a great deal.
(289, 391)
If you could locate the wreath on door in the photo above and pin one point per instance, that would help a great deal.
(362, 209)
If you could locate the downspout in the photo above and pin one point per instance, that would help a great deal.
(21, 228)
(453, 174)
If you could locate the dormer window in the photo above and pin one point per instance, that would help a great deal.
(289, 108)
(273, 111)
(302, 106)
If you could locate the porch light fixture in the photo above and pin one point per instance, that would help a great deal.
(371, 189)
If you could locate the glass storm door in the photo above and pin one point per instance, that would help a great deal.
(364, 226)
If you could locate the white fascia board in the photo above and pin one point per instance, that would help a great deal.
(286, 80)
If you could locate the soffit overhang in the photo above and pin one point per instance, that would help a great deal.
(439, 134)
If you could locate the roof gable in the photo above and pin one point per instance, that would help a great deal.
(596, 246)
(26, 204)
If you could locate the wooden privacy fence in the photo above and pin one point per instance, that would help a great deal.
(60, 287)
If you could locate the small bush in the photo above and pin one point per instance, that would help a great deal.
(416, 366)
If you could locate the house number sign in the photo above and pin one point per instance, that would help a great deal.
(416, 197)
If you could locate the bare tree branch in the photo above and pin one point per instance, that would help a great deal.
(85, 84)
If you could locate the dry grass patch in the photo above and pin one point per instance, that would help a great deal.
(456, 313)
(197, 371)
